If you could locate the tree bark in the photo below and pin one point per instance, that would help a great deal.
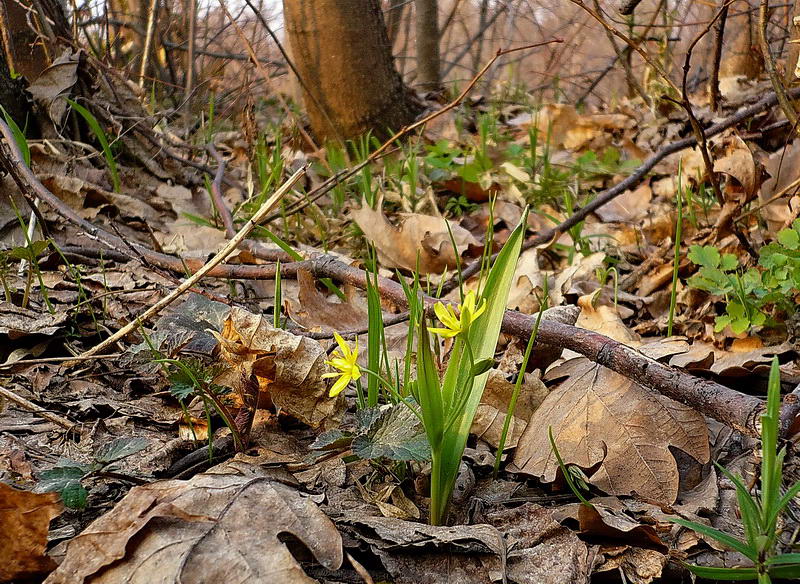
(342, 53)
(428, 44)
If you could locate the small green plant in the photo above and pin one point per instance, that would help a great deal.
(576, 480)
(98, 132)
(68, 477)
(459, 205)
(447, 406)
(753, 294)
(761, 511)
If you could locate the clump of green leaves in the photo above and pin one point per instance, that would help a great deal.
(447, 405)
(753, 294)
(68, 477)
(761, 511)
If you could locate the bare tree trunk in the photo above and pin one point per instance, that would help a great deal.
(793, 58)
(428, 44)
(343, 55)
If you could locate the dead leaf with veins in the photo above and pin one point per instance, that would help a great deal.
(212, 528)
(25, 518)
(288, 367)
(425, 236)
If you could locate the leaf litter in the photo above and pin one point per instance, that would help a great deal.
(344, 481)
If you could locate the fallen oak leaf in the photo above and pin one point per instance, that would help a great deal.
(213, 528)
(599, 416)
(25, 517)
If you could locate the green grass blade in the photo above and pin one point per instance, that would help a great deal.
(19, 137)
(98, 132)
(720, 536)
(374, 334)
(724, 574)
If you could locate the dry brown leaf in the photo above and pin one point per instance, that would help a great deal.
(213, 528)
(783, 167)
(736, 160)
(631, 205)
(607, 519)
(314, 310)
(573, 131)
(56, 82)
(600, 417)
(491, 413)
(640, 565)
(540, 550)
(288, 367)
(739, 361)
(25, 519)
(423, 235)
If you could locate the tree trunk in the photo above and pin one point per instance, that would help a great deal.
(344, 61)
(793, 59)
(428, 44)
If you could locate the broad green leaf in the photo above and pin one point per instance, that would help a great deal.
(58, 477)
(705, 255)
(332, 440)
(729, 262)
(397, 435)
(785, 572)
(120, 448)
(789, 238)
(19, 137)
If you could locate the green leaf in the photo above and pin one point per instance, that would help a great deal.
(789, 238)
(120, 448)
(58, 477)
(729, 574)
(720, 536)
(98, 132)
(74, 495)
(332, 440)
(729, 262)
(707, 256)
(785, 572)
(397, 435)
(19, 137)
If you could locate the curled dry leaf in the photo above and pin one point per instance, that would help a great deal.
(314, 310)
(213, 528)
(54, 82)
(288, 367)
(25, 520)
(423, 235)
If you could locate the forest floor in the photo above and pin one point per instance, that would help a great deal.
(122, 460)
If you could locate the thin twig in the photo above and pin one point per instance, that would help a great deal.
(36, 409)
(220, 257)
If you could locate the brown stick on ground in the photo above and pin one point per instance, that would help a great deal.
(735, 409)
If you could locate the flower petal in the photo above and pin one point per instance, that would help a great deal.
(443, 332)
(339, 385)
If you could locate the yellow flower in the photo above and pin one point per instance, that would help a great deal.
(455, 325)
(344, 359)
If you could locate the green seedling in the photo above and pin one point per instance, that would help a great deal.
(676, 260)
(574, 476)
(98, 132)
(68, 477)
(760, 511)
(19, 137)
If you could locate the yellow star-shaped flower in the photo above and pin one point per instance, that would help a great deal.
(455, 325)
(344, 359)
